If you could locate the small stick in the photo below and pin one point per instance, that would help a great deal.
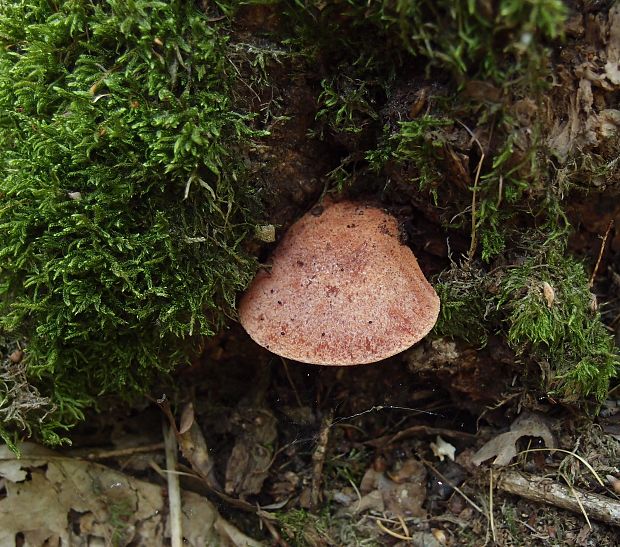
(491, 516)
(318, 457)
(385, 440)
(174, 490)
(120, 452)
(543, 490)
(404, 526)
(600, 253)
(265, 519)
(474, 241)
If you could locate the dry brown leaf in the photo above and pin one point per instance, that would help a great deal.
(402, 496)
(549, 294)
(503, 447)
(252, 455)
(54, 500)
(194, 448)
(612, 67)
(187, 418)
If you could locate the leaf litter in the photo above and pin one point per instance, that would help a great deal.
(43, 491)
(503, 447)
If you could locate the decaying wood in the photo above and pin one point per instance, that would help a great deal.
(544, 490)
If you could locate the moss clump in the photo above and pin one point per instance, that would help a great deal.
(420, 144)
(465, 304)
(344, 105)
(543, 307)
(551, 315)
(122, 198)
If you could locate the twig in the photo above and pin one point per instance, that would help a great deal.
(474, 241)
(106, 454)
(414, 430)
(174, 490)
(192, 444)
(600, 252)
(403, 525)
(543, 490)
(318, 457)
(266, 519)
(491, 517)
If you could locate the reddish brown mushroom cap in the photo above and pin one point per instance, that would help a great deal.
(342, 290)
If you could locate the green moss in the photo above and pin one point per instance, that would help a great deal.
(543, 307)
(419, 143)
(466, 305)
(466, 37)
(550, 314)
(123, 199)
(303, 528)
(344, 105)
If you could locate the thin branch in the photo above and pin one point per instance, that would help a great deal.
(174, 489)
(600, 253)
(491, 517)
(544, 490)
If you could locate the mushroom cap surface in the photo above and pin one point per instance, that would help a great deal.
(342, 290)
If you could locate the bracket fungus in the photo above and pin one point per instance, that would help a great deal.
(342, 290)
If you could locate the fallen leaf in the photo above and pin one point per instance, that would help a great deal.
(187, 418)
(54, 500)
(252, 455)
(503, 447)
(402, 493)
(612, 67)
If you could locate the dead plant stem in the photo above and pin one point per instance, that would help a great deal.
(473, 244)
(600, 253)
(491, 517)
(174, 489)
